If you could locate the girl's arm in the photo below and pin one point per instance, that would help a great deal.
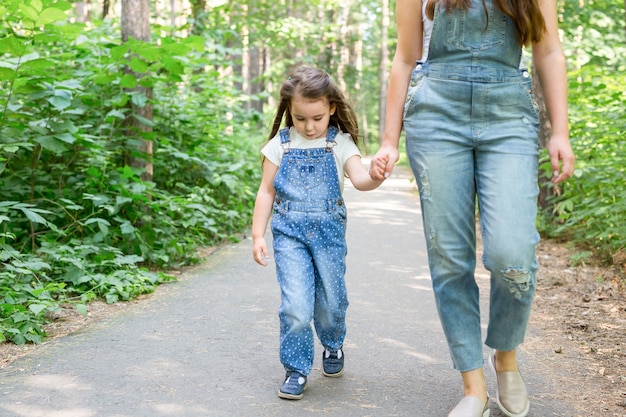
(262, 212)
(408, 51)
(549, 61)
(360, 177)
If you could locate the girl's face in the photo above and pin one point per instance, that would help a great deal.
(311, 116)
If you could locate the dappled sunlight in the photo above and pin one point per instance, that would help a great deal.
(408, 350)
(172, 409)
(157, 367)
(23, 410)
(58, 382)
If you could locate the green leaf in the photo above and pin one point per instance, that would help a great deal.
(50, 15)
(6, 73)
(19, 317)
(118, 52)
(29, 12)
(36, 66)
(117, 114)
(138, 98)
(143, 120)
(13, 46)
(147, 51)
(128, 81)
(66, 137)
(33, 216)
(60, 103)
(51, 144)
(138, 65)
(174, 66)
(82, 309)
(37, 308)
(196, 42)
(127, 229)
(36, 4)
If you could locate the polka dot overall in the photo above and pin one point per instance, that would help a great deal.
(309, 228)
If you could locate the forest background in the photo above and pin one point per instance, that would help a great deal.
(130, 133)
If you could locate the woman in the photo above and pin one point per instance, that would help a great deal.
(471, 129)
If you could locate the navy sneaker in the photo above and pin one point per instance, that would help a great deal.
(293, 387)
(332, 363)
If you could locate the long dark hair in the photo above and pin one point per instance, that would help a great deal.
(526, 14)
(313, 83)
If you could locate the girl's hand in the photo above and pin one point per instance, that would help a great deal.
(259, 251)
(377, 168)
(387, 155)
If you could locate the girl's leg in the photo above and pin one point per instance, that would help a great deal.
(296, 279)
(331, 299)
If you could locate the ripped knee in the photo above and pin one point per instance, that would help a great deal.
(519, 280)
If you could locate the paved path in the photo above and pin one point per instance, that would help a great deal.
(207, 344)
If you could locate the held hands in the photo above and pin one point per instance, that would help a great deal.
(560, 152)
(383, 162)
(259, 251)
(377, 168)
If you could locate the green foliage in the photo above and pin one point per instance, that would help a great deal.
(76, 222)
(591, 207)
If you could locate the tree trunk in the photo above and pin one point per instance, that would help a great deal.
(344, 51)
(198, 12)
(384, 63)
(136, 24)
(106, 4)
(82, 11)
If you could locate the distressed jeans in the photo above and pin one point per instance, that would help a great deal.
(472, 142)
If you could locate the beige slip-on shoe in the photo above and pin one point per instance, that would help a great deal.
(511, 394)
(470, 406)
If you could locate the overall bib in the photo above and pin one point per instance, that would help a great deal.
(309, 229)
(472, 138)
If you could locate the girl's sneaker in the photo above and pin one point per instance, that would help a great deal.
(332, 363)
(293, 387)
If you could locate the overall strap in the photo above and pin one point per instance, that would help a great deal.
(330, 138)
(284, 139)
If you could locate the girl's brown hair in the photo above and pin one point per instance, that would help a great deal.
(312, 83)
(525, 13)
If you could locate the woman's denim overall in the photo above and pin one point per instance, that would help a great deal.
(472, 137)
(309, 229)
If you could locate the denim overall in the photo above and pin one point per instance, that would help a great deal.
(309, 228)
(472, 138)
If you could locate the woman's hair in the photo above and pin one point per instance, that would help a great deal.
(312, 83)
(526, 14)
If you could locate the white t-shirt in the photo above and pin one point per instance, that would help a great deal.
(428, 30)
(344, 150)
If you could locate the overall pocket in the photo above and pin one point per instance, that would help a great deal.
(473, 29)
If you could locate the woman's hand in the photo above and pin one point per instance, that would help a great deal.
(383, 162)
(561, 158)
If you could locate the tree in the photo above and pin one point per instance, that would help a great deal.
(384, 63)
(136, 25)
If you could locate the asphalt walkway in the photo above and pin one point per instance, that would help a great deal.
(207, 345)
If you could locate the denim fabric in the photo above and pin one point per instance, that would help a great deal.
(472, 140)
(309, 228)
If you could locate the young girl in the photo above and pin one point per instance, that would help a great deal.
(302, 183)
(472, 135)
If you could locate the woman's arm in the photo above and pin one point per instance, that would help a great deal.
(262, 212)
(408, 51)
(549, 61)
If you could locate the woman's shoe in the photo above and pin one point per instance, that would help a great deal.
(470, 406)
(511, 394)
